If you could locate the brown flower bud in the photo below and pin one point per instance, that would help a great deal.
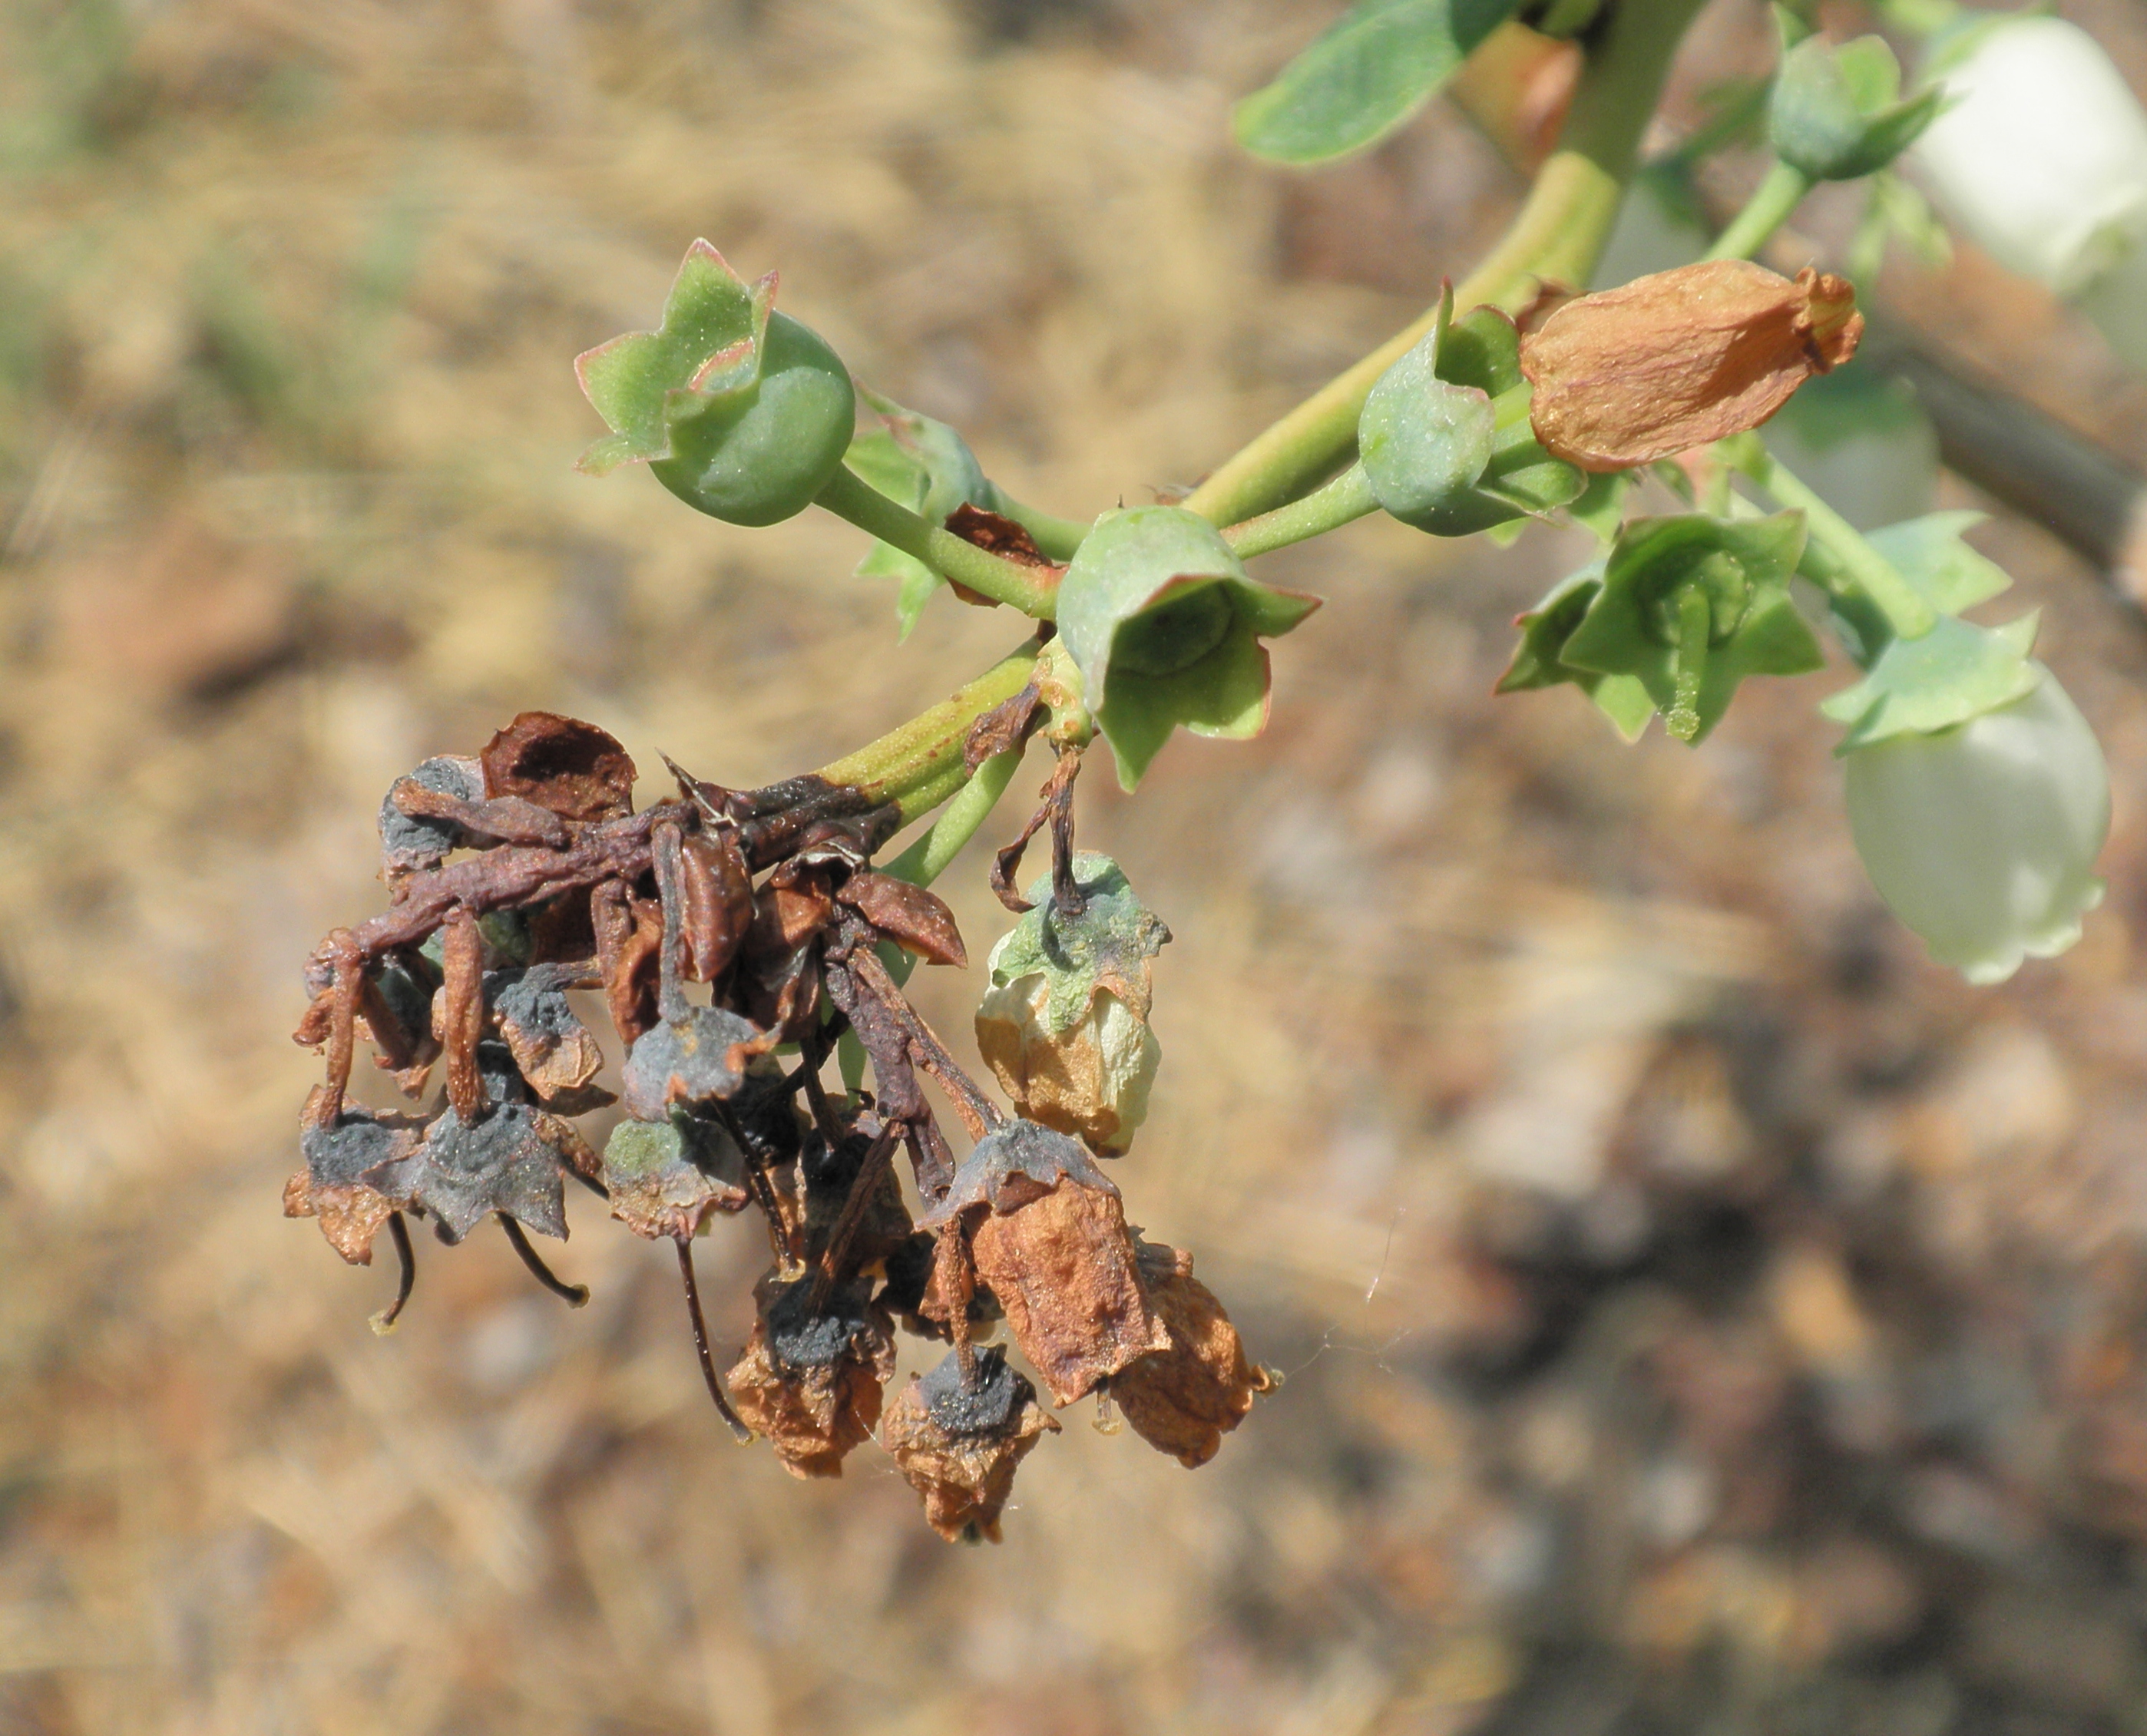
(1183, 1400)
(1682, 357)
(810, 1378)
(1050, 1241)
(957, 1441)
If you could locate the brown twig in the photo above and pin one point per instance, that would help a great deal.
(870, 1170)
(1054, 808)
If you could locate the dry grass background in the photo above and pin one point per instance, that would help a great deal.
(1699, 1314)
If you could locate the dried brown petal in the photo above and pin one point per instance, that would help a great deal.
(1004, 537)
(810, 1379)
(1052, 1245)
(1183, 1400)
(333, 1186)
(1681, 358)
(573, 769)
(630, 945)
(718, 890)
(911, 916)
(458, 1013)
(958, 1442)
(552, 1048)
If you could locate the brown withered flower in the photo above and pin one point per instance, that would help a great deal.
(1682, 357)
(1183, 1400)
(1049, 1239)
(957, 1441)
(810, 1378)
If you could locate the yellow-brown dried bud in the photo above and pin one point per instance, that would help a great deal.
(957, 1441)
(810, 1377)
(1183, 1400)
(1065, 1024)
(1680, 358)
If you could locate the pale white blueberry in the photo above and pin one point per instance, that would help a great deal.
(1982, 837)
(2041, 160)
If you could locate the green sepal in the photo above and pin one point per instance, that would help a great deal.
(925, 465)
(1955, 672)
(1930, 553)
(1443, 434)
(1105, 947)
(1638, 624)
(708, 347)
(1366, 74)
(1482, 348)
(741, 412)
(1164, 625)
(1538, 660)
(1835, 116)
(1600, 506)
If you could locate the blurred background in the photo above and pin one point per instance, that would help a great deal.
(1699, 1313)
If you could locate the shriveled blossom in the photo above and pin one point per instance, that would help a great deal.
(1183, 1400)
(957, 1441)
(1674, 361)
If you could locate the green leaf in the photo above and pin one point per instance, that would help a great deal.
(1833, 115)
(1954, 673)
(927, 467)
(1372, 69)
(1164, 625)
(1691, 605)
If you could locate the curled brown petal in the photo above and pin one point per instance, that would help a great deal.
(1682, 357)
(462, 963)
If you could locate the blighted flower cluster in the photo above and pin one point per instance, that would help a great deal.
(735, 938)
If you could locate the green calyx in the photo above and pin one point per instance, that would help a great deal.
(1956, 672)
(741, 412)
(1165, 626)
(1836, 114)
(1683, 609)
(1444, 436)
(1108, 946)
(1928, 554)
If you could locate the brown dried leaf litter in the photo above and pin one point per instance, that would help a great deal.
(1677, 359)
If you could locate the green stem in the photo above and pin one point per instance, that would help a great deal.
(1925, 18)
(1557, 235)
(924, 861)
(1906, 612)
(1779, 193)
(1348, 496)
(920, 765)
(1032, 590)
